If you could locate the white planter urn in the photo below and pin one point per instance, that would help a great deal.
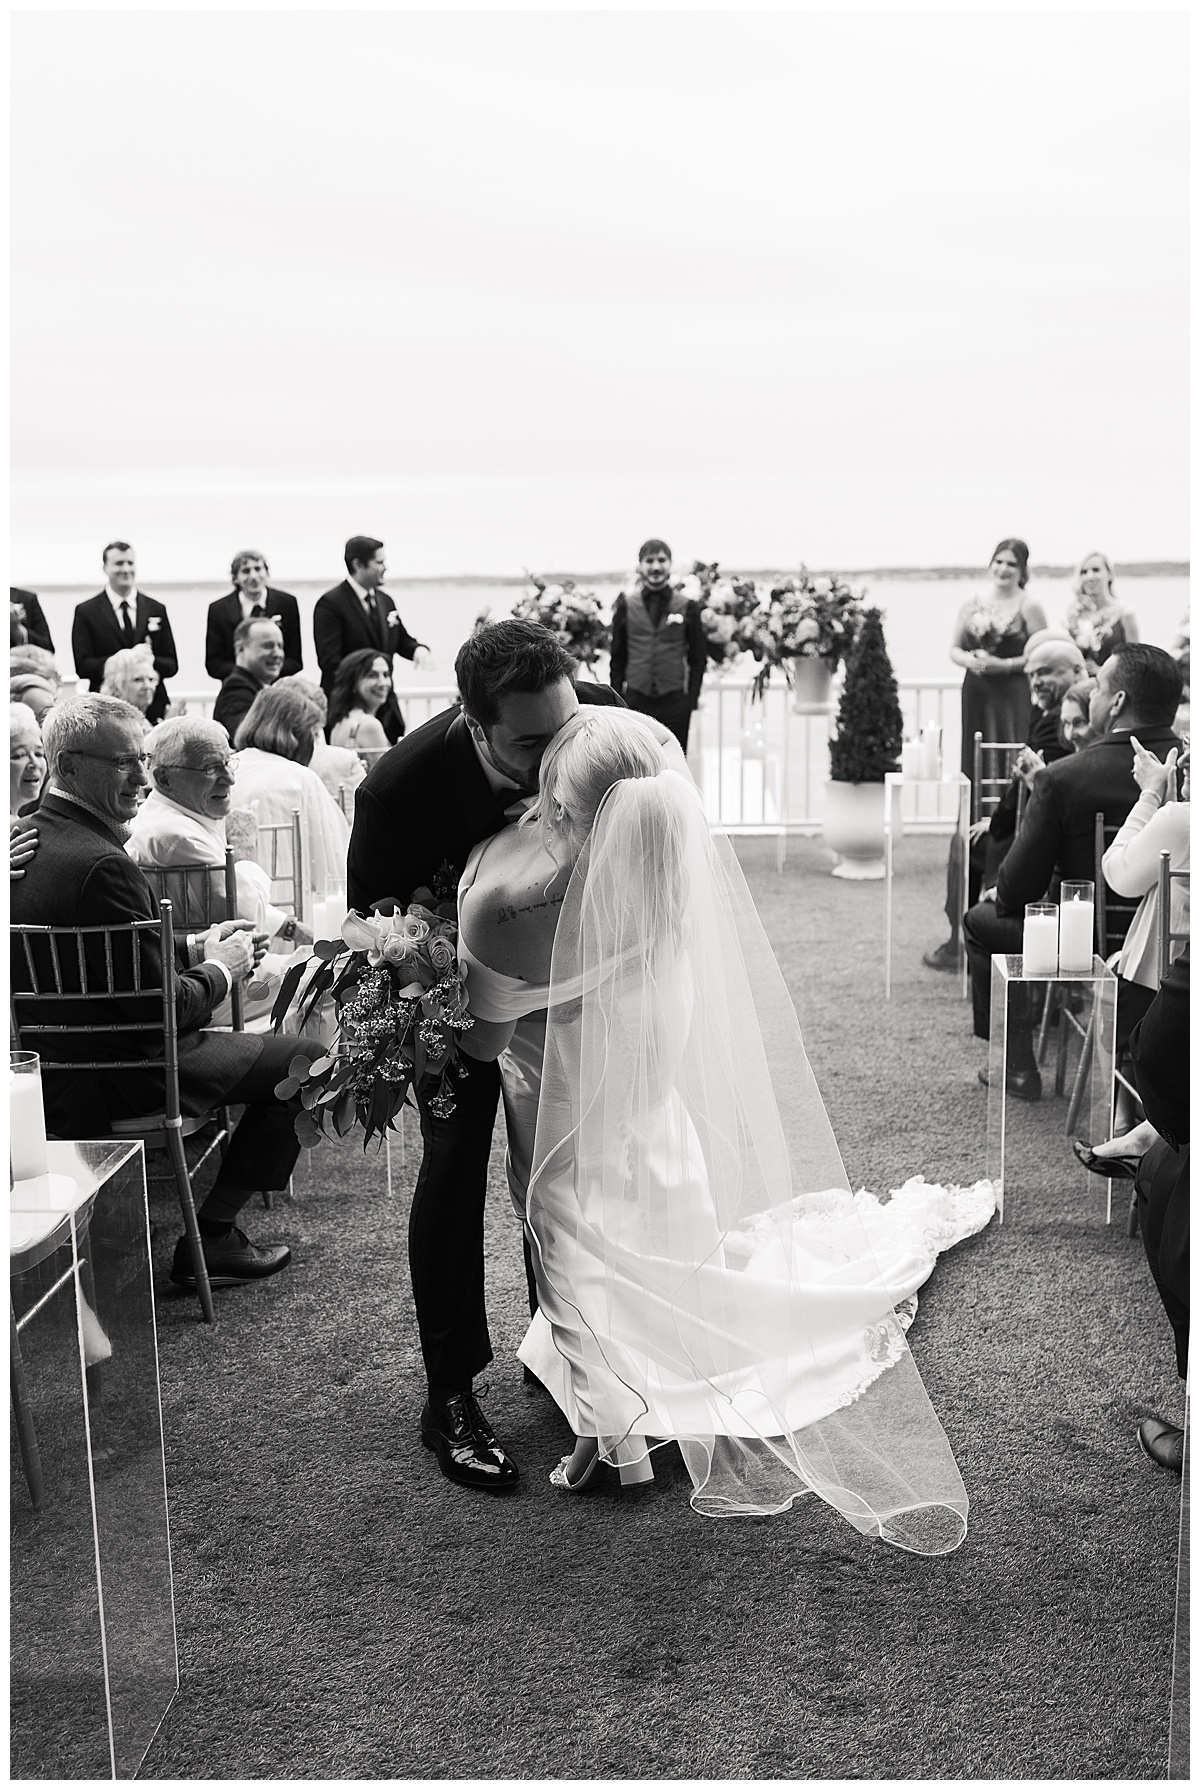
(854, 829)
(812, 686)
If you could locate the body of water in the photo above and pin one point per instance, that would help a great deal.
(919, 611)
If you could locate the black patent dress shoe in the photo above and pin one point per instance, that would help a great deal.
(1112, 1168)
(1024, 1084)
(465, 1445)
(232, 1261)
(1163, 1443)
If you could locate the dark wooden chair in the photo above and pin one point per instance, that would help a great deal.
(93, 966)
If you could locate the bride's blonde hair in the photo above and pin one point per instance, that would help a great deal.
(594, 750)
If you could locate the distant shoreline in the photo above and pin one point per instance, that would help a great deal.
(1167, 568)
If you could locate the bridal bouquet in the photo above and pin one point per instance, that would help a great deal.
(401, 1001)
(803, 618)
(574, 615)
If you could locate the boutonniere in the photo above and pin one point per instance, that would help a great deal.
(153, 623)
(675, 620)
(393, 620)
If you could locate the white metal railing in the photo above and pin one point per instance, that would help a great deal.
(761, 767)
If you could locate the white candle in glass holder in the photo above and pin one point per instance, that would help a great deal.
(931, 752)
(1076, 928)
(27, 1126)
(320, 928)
(335, 910)
(1039, 940)
(910, 758)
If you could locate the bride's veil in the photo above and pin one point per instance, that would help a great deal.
(702, 1263)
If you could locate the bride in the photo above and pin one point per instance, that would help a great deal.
(704, 1274)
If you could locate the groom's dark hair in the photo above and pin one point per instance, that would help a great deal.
(507, 656)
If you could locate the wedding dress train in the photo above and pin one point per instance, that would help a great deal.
(704, 1273)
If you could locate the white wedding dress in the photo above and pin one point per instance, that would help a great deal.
(704, 1273)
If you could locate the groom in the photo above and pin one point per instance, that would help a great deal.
(421, 810)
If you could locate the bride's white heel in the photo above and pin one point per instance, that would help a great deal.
(559, 1477)
(637, 1472)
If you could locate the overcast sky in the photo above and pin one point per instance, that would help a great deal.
(519, 289)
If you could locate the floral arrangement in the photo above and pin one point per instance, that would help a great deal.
(401, 1001)
(574, 615)
(726, 607)
(803, 618)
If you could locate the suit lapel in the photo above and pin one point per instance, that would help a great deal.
(141, 617)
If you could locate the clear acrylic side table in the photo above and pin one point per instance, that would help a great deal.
(949, 798)
(1032, 1135)
(93, 1661)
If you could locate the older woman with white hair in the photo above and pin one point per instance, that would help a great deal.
(130, 676)
(1098, 621)
(274, 778)
(26, 760)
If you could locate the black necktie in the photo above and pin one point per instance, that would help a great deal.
(126, 623)
(257, 610)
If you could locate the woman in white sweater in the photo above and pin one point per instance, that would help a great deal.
(1154, 825)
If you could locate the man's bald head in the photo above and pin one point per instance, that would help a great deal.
(1052, 665)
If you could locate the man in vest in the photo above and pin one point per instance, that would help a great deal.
(658, 651)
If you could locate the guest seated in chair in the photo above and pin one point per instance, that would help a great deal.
(258, 646)
(1155, 1155)
(26, 760)
(360, 690)
(1051, 666)
(1138, 691)
(182, 821)
(81, 875)
(1157, 822)
(336, 766)
(1074, 715)
(130, 676)
(38, 695)
(274, 753)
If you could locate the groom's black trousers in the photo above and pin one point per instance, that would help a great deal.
(445, 1230)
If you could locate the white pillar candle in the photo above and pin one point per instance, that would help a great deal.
(318, 919)
(1039, 944)
(910, 758)
(931, 752)
(335, 912)
(1076, 927)
(27, 1126)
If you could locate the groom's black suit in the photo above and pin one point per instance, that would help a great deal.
(417, 816)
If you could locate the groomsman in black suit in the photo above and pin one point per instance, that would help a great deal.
(417, 816)
(359, 613)
(26, 611)
(119, 616)
(250, 598)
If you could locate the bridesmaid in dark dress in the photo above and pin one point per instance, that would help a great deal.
(1097, 620)
(989, 643)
